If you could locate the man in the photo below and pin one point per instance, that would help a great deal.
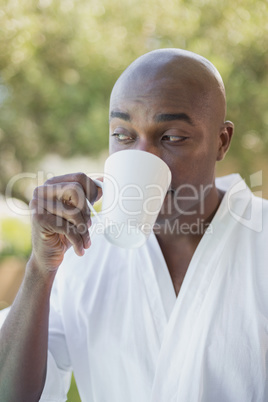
(184, 317)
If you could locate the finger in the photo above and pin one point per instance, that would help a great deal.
(64, 210)
(49, 224)
(70, 194)
(90, 189)
(74, 234)
(76, 219)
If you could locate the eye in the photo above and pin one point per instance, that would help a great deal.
(174, 138)
(120, 137)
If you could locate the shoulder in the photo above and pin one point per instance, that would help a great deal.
(259, 212)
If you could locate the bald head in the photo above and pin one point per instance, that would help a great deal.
(171, 103)
(172, 68)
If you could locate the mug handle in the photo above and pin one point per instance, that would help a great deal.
(90, 206)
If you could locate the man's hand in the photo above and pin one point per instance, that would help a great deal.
(61, 218)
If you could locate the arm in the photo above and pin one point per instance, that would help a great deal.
(60, 219)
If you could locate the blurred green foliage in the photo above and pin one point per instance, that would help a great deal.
(73, 395)
(15, 238)
(60, 59)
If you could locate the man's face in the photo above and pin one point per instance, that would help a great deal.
(171, 119)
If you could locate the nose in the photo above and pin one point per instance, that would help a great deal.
(148, 146)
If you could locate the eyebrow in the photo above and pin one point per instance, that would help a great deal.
(120, 115)
(159, 118)
(173, 116)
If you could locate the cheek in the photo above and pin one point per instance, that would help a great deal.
(195, 167)
(113, 147)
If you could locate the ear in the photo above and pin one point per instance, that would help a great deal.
(225, 137)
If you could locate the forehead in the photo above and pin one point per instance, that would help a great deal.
(152, 96)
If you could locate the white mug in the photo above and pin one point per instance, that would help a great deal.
(134, 187)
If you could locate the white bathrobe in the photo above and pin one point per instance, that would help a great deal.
(116, 322)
